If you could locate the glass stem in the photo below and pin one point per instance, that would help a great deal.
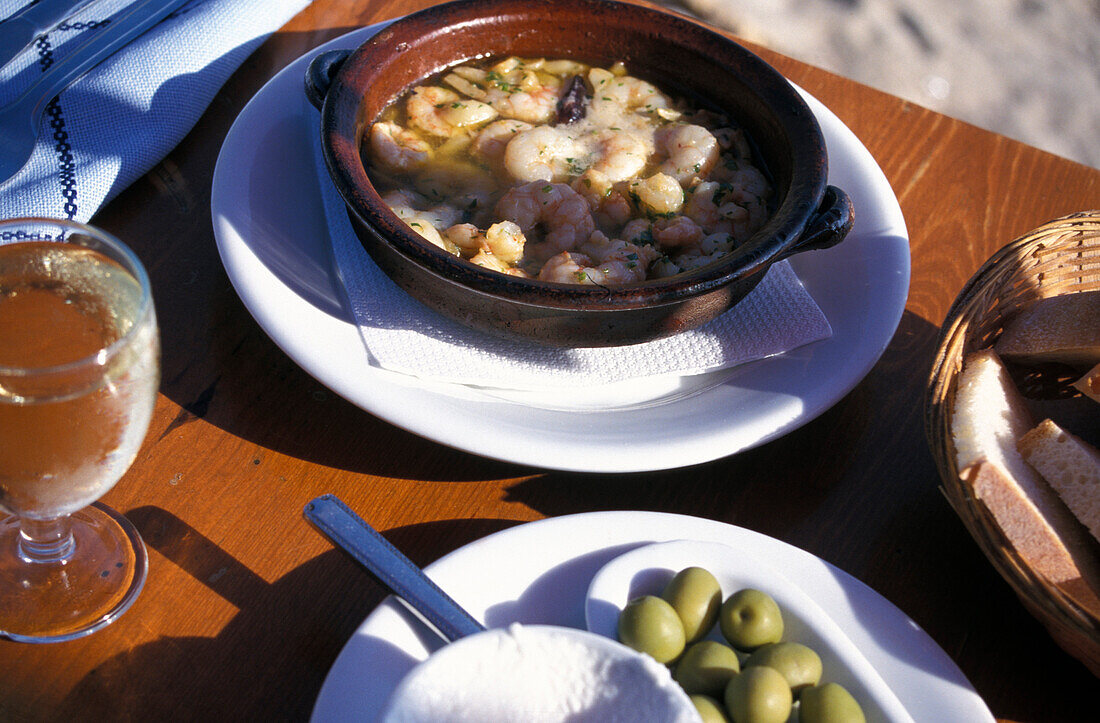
(45, 541)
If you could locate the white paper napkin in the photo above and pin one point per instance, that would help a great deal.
(403, 335)
(118, 121)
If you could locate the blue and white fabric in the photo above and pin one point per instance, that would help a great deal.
(114, 124)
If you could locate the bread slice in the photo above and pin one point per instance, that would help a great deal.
(1089, 385)
(989, 416)
(1063, 328)
(1070, 465)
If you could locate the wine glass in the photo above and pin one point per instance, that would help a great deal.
(79, 371)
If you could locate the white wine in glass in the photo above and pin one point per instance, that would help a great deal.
(79, 371)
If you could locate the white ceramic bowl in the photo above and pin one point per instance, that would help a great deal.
(532, 673)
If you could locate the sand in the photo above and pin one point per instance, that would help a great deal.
(1027, 69)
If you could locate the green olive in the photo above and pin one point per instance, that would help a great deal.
(750, 618)
(696, 596)
(709, 709)
(800, 665)
(829, 703)
(706, 667)
(650, 625)
(758, 695)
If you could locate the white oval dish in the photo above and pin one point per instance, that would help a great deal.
(274, 241)
(646, 570)
(539, 572)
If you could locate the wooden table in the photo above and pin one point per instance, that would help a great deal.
(246, 606)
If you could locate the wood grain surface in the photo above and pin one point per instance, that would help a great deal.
(246, 606)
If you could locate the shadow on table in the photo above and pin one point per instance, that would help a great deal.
(270, 660)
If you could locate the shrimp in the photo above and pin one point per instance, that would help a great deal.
(494, 138)
(624, 94)
(403, 197)
(726, 208)
(717, 244)
(601, 249)
(424, 222)
(467, 237)
(689, 261)
(706, 206)
(487, 260)
(442, 113)
(663, 268)
(744, 176)
(425, 228)
(619, 155)
(408, 203)
(567, 268)
(690, 151)
(511, 88)
(541, 154)
(611, 207)
(733, 139)
(555, 210)
(756, 213)
(503, 240)
(398, 149)
(677, 232)
(535, 106)
(617, 271)
(660, 194)
(638, 231)
(571, 267)
(506, 241)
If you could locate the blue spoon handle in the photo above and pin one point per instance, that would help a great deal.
(398, 573)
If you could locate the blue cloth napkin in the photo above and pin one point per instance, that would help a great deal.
(118, 121)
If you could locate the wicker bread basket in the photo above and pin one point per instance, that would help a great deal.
(1060, 257)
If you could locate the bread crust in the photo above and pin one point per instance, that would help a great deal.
(1070, 465)
(1042, 531)
(1063, 328)
(989, 417)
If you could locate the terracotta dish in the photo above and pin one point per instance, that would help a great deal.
(676, 54)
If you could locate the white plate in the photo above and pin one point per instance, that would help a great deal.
(538, 573)
(647, 569)
(271, 232)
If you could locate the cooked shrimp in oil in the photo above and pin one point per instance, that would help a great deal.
(567, 172)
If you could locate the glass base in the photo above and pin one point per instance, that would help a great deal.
(49, 602)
